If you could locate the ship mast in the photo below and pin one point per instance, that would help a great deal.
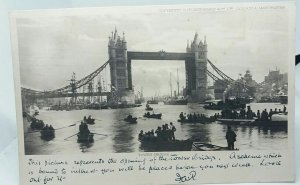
(171, 84)
(177, 84)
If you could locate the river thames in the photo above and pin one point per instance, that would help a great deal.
(122, 137)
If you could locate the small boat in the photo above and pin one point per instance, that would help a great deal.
(90, 121)
(149, 109)
(47, 135)
(155, 116)
(199, 146)
(83, 138)
(172, 145)
(202, 121)
(130, 119)
(37, 124)
(277, 120)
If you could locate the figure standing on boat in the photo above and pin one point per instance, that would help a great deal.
(84, 129)
(230, 137)
(173, 129)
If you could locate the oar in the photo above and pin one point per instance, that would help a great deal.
(98, 119)
(56, 129)
(70, 136)
(66, 126)
(99, 134)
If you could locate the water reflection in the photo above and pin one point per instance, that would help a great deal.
(85, 146)
(122, 131)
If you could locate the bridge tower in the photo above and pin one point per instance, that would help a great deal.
(196, 72)
(117, 51)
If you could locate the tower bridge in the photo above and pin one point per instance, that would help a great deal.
(120, 62)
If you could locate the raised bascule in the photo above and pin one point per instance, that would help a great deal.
(120, 62)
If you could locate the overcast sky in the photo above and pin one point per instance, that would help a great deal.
(53, 44)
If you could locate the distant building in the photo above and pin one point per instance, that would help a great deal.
(276, 77)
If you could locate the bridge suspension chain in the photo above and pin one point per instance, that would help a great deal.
(81, 82)
(215, 78)
(223, 75)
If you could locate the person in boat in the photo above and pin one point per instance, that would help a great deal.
(284, 109)
(89, 118)
(258, 114)
(152, 132)
(51, 128)
(194, 117)
(264, 115)
(164, 133)
(158, 133)
(84, 130)
(148, 114)
(242, 113)
(275, 111)
(81, 127)
(230, 137)
(84, 119)
(249, 113)
(141, 135)
(181, 116)
(235, 114)
(46, 127)
(270, 114)
(173, 130)
(42, 123)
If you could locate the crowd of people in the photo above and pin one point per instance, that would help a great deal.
(165, 132)
(250, 114)
(196, 118)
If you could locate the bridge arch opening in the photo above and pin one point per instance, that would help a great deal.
(153, 76)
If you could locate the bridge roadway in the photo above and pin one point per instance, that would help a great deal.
(161, 55)
(65, 95)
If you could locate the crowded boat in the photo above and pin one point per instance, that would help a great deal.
(165, 132)
(249, 116)
(47, 133)
(155, 116)
(196, 118)
(163, 139)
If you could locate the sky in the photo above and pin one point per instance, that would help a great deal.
(55, 43)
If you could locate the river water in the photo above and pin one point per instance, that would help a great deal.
(119, 136)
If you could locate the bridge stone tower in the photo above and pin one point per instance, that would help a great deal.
(117, 51)
(197, 69)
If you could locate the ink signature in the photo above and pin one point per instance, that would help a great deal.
(189, 177)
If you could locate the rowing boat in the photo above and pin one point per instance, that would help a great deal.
(199, 146)
(83, 138)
